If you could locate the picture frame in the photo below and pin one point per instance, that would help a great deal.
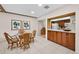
(15, 24)
(26, 25)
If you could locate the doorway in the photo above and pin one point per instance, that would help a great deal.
(42, 28)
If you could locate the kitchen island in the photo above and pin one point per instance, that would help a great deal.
(64, 38)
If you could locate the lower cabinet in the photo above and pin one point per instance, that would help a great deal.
(54, 36)
(59, 37)
(71, 41)
(49, 35)
(63, 38)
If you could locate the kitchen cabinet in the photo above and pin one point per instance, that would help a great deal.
(71, 41)
(59, 38)
(63, 38)
(54, 36)
(49, 35)
(61, 23)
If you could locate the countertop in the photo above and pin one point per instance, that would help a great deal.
(62, 30)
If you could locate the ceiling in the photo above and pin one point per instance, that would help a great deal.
(34, 10)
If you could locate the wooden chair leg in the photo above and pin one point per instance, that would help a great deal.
(17, 44)
(33, 39)
(26, 47)
(12, 46)
(9, 46)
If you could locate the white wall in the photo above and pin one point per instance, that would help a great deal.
(77, 31)
(5, 23)
(64, 10)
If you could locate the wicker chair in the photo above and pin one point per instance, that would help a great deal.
(11, 41)
(24, 41)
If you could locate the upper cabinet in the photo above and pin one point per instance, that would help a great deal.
(60, 22)
(63, 22)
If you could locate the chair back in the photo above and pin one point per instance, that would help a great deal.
(26, 37)
(8, 37)
(21, 31)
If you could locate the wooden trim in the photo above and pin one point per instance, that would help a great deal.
(61, 16)
(2, 9)
(20, 14)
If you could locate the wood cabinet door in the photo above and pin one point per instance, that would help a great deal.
(59, 37)
(54, 36)
(49, 35)
(61, 23)
(64, 39)
(71, 41)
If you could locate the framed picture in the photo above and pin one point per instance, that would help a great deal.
(15, 24)
(26, 25)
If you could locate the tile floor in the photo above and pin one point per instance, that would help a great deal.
(40, 46)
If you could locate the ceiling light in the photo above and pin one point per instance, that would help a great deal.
(32, 12)
(39, 4)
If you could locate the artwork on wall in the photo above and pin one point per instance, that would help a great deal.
(15, 24)
(26, 25)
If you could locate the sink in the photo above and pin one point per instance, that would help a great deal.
(67, 30)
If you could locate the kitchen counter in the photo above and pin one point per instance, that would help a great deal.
(62, 30)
